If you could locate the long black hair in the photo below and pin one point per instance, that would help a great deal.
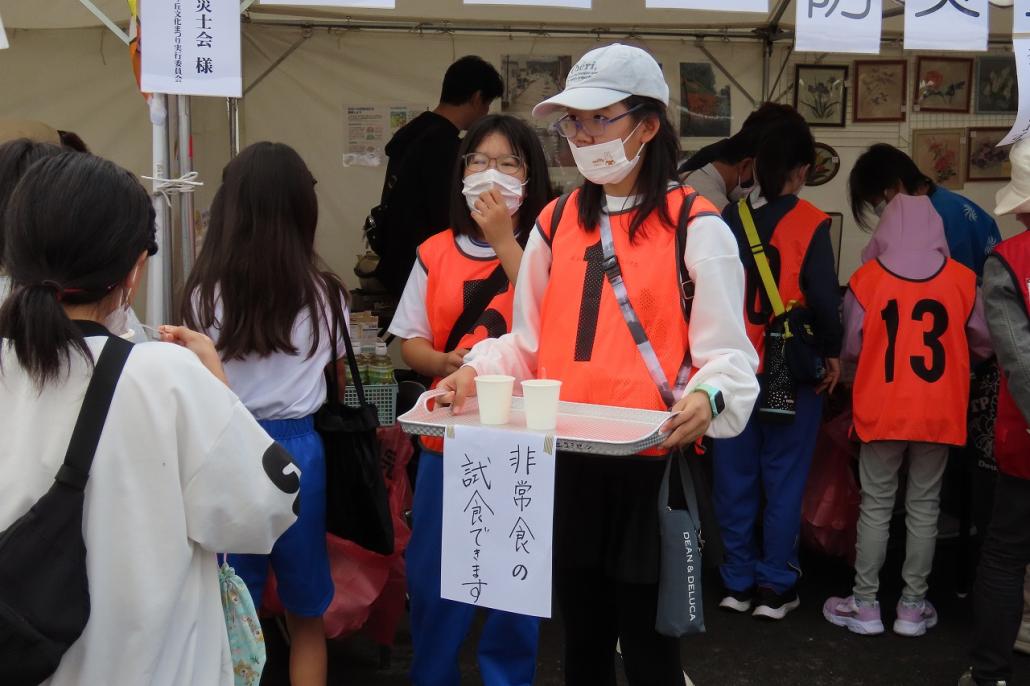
(744, 143)
(524, 144)
(258, 270)
(879, 168)
(657, 170)
(15, 158)
(783, 148)
(76, 225)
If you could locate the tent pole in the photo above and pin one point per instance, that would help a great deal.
(766, 54)
(186, 199)
(233, 105)
(159, 272)
(726, 72)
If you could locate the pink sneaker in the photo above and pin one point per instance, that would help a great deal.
(860, 619)
(914, 620)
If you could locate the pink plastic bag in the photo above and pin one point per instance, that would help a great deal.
(829, 514)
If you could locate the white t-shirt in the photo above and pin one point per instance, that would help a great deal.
(411, 320)
(178, 475)
(282, 386)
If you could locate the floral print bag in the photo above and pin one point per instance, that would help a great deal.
(246, 642)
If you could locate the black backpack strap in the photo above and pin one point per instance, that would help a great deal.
(74, 473)
(338, 325)
(686, 283)
(485, 292)
(559, 210)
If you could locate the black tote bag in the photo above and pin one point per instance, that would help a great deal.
(356, 505)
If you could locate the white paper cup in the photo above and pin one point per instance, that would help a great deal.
(494, 393)
(540, 399)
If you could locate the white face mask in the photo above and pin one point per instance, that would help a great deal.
(510, 188)
(605, 162)
(118, 321)
(740, 190)
(879, 207)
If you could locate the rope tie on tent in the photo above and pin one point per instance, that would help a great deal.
(186, 183)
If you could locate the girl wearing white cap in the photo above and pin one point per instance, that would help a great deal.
(568, 325)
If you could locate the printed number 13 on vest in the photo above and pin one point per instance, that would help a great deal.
(498, 514)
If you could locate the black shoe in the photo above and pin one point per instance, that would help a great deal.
(968, 680)
(737, 601)
(775, 606)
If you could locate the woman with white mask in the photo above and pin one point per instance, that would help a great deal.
(568, 325)
(459, 293)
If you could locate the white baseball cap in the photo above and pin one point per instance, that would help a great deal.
(608, 75)
(1015, 196)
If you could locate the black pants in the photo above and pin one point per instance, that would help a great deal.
(606, 570)
(599, 611)
(998, 599)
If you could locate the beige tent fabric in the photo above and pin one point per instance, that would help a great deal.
(13, 129)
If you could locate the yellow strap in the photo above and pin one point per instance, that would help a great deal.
(761, 261)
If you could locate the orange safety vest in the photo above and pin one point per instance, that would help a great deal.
(451, 279)
(786, 254)
(912, 382)
(584, 340)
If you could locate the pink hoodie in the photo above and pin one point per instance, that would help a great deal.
(910, 242)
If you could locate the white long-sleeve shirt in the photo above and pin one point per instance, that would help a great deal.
(719, 346)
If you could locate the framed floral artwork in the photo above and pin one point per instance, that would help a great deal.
(827, 164)
(820, 93)
(996, 87)
(988, 162)
(941, 155)
(943, 84)
(880, 88)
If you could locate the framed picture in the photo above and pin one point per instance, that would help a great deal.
(996, 87)
(940, 155)
(820, 93)
(836, 236)
(880, 88)
(704, 105)
(827, 164)
(943, 84)
(987, 162)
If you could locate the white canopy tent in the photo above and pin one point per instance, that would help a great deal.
(302, 66)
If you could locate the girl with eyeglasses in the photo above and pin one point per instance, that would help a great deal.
(568, 325)
(467, 273)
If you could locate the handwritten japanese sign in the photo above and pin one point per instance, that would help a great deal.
(720, 5)
(851, 26)
(578, 4)
(946, 25)
(191, 47)
(1021, 16)
(498, 513)
(1021, 129)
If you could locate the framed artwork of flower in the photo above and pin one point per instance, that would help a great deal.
(880, 88)
(941, 155)
(996, 86)
(988, 162)
(943, 84)
(827, 164)
(820, 93)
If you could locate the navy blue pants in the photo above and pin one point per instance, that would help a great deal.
(774, 460)
(507, 647)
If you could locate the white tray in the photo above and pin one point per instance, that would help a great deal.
(582, 428)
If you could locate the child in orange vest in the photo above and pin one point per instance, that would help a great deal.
(912, 315)
(501, 184)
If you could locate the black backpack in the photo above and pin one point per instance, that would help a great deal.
(44, 590)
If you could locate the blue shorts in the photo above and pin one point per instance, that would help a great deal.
(299, 558)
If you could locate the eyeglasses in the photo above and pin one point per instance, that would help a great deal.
(506, 164)
(595, 126)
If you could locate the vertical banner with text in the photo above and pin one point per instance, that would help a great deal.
(946, 25)
(851, 26)
(498, 517)
(191, 47)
